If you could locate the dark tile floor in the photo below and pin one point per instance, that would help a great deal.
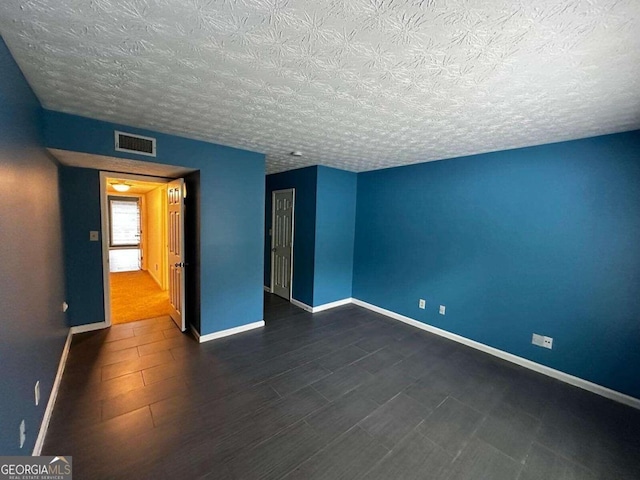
(345, 393)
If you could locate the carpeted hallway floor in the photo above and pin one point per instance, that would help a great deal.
(136, 296)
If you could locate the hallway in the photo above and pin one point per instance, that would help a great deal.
(136, 296)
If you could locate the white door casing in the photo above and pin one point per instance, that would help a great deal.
(175, 208)
(283, 202)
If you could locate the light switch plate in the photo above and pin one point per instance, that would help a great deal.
(442, 309)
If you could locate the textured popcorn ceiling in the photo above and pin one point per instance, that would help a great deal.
(354, 84)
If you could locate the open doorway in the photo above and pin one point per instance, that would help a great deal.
(137, 248)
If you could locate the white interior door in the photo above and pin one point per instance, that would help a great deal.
(282, 242)
(175, 207)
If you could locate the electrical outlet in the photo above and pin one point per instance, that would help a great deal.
(23, 433)
(93, 236)
(542, 341)
(422, 303)
(37, 392)
(442, 309)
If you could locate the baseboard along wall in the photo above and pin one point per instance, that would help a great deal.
(225, 333)
(89, 327)
(320, 308)
(44, 426)
(523, 362)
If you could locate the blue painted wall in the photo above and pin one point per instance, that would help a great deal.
(32, 324)
(231, 214)
(324, 232)
(335, 232)
(80, 197)
(304, 180)
(542, 239)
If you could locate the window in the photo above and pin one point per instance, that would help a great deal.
(124, 213)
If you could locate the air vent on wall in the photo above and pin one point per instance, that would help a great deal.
(127, 142)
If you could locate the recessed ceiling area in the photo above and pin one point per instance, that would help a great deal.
(136, 187)
(118, 165)
(354, 84)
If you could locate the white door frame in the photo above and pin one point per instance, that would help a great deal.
(104, 222)
(293, 236)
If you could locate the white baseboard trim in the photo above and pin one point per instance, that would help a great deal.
(267, 289)
(327, 306)
(90, 327)
(225, 333)
(523, 362)
(303, 306)
(44, 426)
(195, 333)
(320, 308)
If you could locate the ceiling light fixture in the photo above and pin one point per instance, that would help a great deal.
(296, 154)
(121, 187)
